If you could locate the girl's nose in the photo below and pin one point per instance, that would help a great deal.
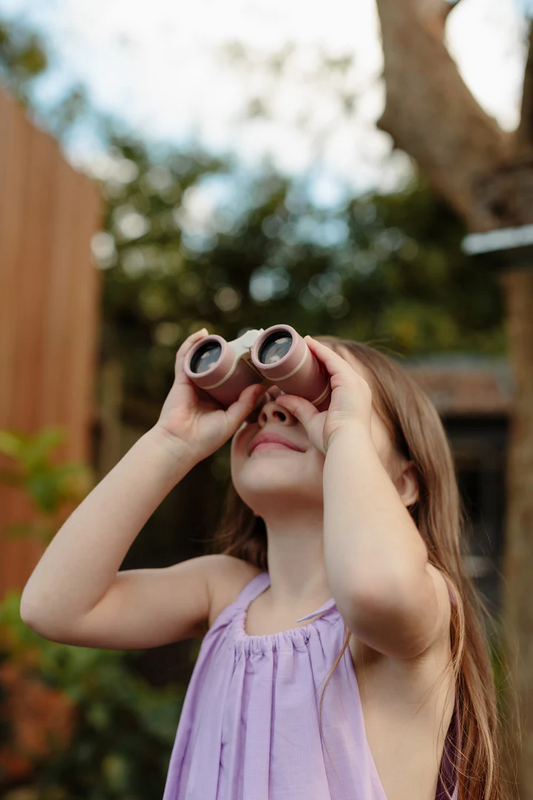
(271, 412)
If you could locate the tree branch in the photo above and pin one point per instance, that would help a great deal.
(437, 10)
(431, 114)
(524, 132)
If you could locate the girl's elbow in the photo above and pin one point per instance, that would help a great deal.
(34, 620)
(397, 624)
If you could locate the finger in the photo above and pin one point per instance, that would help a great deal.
(189, 342)
(273, 392)
(335, 361)
(237, 412)
(332, 361)
(299, 407)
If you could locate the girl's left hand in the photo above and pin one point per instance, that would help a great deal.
(350, 399)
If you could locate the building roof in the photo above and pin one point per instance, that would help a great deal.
(464, 384)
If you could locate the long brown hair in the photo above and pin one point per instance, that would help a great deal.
(418, 435)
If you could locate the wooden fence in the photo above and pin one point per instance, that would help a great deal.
(49, 301)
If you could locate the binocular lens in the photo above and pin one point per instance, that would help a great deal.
(205, 357)
(275, 347)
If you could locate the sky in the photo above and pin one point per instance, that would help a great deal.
(176, 72)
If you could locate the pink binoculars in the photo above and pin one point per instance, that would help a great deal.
(277, 356)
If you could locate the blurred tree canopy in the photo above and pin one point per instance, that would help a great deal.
(380, 268)
(24, 58)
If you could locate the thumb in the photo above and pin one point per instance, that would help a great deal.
(298, 406)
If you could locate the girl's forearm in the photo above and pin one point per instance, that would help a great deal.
(82, 560)
(371, 543)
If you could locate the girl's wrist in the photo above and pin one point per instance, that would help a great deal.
(177, 456)
(352, 429)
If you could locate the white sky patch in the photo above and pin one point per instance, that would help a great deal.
(164, 68)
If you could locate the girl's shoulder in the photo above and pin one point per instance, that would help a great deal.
(227, 582)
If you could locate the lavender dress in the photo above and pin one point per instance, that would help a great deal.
(249, 726)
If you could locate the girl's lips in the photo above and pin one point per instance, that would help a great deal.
(273, 446)
(271, 437)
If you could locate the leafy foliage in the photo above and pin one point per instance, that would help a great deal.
(22, 56)
(125, 728)
(52, 488)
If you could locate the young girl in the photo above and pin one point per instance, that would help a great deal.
(344, 654)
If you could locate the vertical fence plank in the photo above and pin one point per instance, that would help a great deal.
(57, 308)
(14, 145)
(32, 278)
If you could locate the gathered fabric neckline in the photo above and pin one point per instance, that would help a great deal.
(294, 637)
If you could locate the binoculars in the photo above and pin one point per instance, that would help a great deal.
(277, 356)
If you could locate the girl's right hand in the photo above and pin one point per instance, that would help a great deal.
(191, 418)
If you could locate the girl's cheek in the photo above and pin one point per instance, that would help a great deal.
(238, 441)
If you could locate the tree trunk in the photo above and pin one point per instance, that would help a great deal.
(518, 566)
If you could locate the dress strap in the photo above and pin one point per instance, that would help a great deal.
(322, 610)
(252, 589)
(260, 583)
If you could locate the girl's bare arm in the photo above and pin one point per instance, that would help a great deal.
(76, 593)
(388, 593)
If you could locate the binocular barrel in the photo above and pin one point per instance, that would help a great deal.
(277, 356)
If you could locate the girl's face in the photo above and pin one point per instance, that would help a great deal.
(270, 477)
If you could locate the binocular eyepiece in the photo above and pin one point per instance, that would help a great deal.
(277, 356)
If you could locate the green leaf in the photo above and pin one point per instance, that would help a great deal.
(18, 530)
(44, 491)
(40, 446)
(12, 443)
(39, 530)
